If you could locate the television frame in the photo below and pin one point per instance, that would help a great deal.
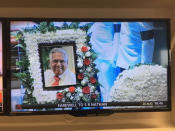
(4, 65)
(7, 71)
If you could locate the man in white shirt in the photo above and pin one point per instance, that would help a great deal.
(59, 74)
(101, 39)
(136, 44)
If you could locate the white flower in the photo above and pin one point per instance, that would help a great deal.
(71, 97)
(93, 87)
(80, 65)
(96, 92)
(66, 89)
(79, 52)
(63, 100)
(86, 79)
(88, 54)
(79, 89)
(81, 70)
(81, 94)
(83, 82)
(68, 94)
(80, 62)
(142, 83)
(91, 90)
(77, 98)
(89, 69)
(91, 74)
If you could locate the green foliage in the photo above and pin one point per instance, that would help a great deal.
(27, 83)
(85, 99)
(86, 27)
(46, 27)
(21, 76)
(21, 46)
(42, 28)
(24, 74)
(139, 64)
(45, 57)
(19, 35)
(29, 99)
(51, 27)
(94, 56)
(74, 25)
(23, 63)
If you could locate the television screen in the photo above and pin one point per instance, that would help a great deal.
(89, 64)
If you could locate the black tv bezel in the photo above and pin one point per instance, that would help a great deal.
(7, 71)
(4, 65)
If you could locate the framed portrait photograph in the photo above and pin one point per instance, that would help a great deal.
(58, 65)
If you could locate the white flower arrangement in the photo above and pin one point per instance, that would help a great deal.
(142, 83)
(33, 39)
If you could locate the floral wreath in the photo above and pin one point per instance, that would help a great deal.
(30, 74)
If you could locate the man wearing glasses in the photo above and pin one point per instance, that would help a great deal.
(59, 75)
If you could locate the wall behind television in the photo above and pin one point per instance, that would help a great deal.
(127, 121)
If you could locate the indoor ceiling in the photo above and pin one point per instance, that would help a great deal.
(87, 3)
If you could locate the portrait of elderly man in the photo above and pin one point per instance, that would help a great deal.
(59, 74)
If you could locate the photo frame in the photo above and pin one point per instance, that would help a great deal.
(64, 68)
(32, 45)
